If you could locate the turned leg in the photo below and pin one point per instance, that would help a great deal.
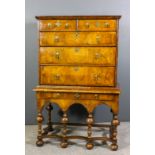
(49, 109)
(110, 131)
(64, 121)
(39, 142)
(49, 128)
(89, 121)
(113, 135)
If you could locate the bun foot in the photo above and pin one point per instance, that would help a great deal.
(40, 143)
(63, 144)
(114, 147)
(89, 146)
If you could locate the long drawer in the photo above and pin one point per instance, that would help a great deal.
(77, 75)
(78, 55)
(78, 39)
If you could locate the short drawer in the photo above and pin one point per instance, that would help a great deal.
(77, 75)
(97, 25)
(76, 96)
(57, 25)
(78, 55)
(77, 38)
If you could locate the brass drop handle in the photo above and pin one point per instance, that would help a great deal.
(99, 56)
(87, 25)
(66, 25)
(49, 25)
(57, 77)
(56, 38)
(57, 55)
(106, 25)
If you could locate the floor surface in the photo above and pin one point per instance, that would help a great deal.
(77, 147)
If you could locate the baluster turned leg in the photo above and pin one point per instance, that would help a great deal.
(114, 125)
(49, 128)
(89, 121)
(64, 120)
(39, 142)
(111, 127)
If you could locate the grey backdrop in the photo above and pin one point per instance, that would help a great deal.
(77, 7)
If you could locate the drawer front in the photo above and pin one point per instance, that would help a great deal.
(77, 38)
(77, 75)
(97, 25)
(78, 55)
(57, 25)
(76, 96)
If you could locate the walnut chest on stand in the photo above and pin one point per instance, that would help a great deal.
(77, 64)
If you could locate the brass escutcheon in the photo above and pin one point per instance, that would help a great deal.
(98, 38)
(97, 55)
(77, 95)
(56, 38)
(56, 95)
(77, 49)
(58, 24)
(57, 77)
(76, 68)
(96, 96)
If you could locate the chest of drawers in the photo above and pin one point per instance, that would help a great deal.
(78, 63)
